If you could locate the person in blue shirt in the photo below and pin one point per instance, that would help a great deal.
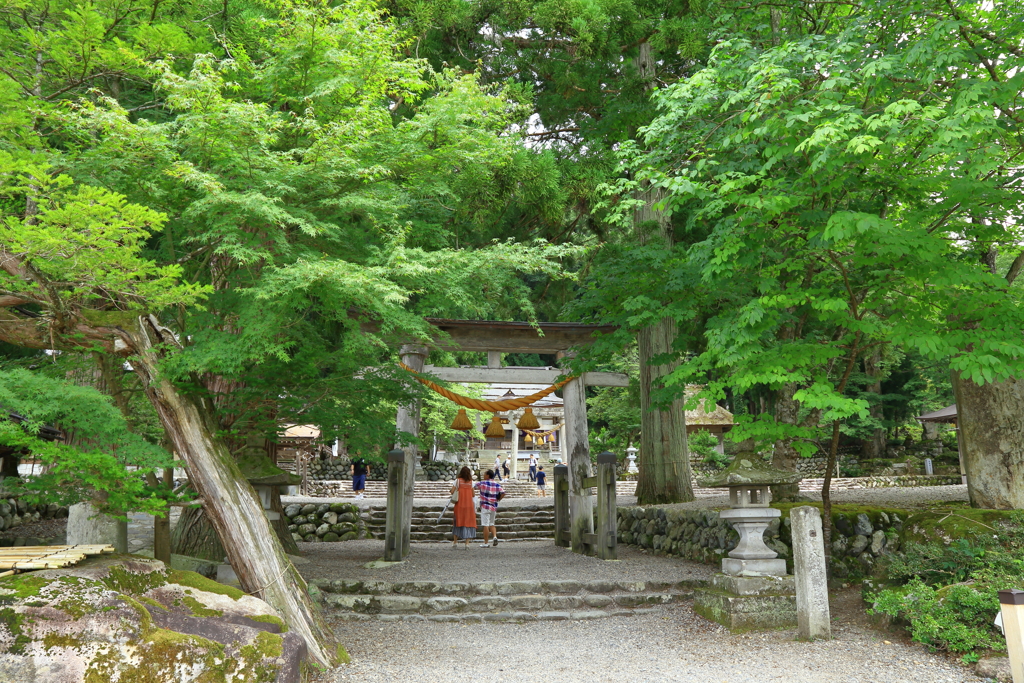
(541, 476)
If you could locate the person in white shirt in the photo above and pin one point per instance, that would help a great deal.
(497, 467)
(533, 467)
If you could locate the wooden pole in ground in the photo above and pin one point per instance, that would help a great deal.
(560, 485)
(581, 504)
(393, 524)
(408, 421)
(607, 519)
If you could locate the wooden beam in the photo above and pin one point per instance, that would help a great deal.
(482, 375)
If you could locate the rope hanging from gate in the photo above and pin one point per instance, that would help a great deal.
(489, 406)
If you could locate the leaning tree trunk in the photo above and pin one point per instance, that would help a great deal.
(232, 505)
(664, 461)
(990, 418)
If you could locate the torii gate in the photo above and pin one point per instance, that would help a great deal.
(495, 338)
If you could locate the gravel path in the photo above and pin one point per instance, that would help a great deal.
(540, 560)
(669, 644)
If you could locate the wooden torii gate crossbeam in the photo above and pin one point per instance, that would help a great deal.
(495, 338)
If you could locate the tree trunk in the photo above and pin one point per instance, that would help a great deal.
(787, 411)
(664, 461)
(990, 418)
(232, 505)
(874, 446)
(195, 536)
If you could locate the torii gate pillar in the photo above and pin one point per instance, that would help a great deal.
(409, 421)
(577, 446)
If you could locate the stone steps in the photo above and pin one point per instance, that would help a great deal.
(520, 523)
(500, 601)
(439, 489)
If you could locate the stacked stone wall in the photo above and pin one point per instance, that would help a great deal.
(860, 536)
(324, 523)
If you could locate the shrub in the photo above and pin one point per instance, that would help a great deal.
(703, 443)
(950, 592)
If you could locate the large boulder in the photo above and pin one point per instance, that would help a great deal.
(126, 618)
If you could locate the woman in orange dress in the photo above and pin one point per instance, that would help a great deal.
(464, 527)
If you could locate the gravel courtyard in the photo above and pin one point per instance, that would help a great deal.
(669, 644)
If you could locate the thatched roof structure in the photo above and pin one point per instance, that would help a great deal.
(708, 415)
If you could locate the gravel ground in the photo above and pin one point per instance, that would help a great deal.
(540, 560)
(669, 644)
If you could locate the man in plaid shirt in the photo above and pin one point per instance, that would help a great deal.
(490, 493)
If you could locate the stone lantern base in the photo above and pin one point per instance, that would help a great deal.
(747, 603)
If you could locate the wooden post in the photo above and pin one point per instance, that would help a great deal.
(1011, 605)
(515, 446)
(607, 512)
(393, 525)
(581, 504)
(408, 421)
(560, 484)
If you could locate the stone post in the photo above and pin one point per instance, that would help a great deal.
(393, 524)
(812, 610)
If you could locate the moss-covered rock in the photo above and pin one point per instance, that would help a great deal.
(129, 619)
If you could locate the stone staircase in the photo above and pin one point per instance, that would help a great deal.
(525, 522)
(440, 489)
(517, 601)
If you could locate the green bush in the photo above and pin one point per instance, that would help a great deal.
(703, 443)
(950, 592)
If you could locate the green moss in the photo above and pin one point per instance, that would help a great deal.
(52, 640)
(13, 621)
(133, 583)
(23, 585)
(945, 525)
(199, 610)
(271, 619)
(152, 603)
(123, 319)
(342, 655)
(264, 648)
(193, 580)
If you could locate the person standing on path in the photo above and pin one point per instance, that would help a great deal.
(464, 526)
(490, 493)
(359, 471)
(541, 476)
(533, 467)
(505, 467)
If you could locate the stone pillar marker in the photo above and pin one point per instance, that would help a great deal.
(89, 526)
(812, 611)
(394, 529)
(408, 420)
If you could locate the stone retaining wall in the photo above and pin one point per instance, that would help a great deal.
(861, 536)
(15, 512)
(324, 523)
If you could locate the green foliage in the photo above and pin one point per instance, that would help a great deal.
(830, 194)
(703, 444)
(104, 461)
(950, 597)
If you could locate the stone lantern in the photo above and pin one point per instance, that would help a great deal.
(631, 456)
(749, 481)
(753, 590)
